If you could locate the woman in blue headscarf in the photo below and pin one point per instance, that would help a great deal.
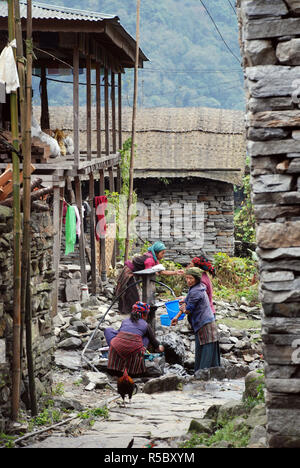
(151, 258)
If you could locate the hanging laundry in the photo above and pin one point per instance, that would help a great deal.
(100, 206)
(8, 68)
(86, 210)
(78, 221)
(65, 208)
(70, 230)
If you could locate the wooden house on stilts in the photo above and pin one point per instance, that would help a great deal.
(68, 39)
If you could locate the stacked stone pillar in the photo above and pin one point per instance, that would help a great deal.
(270, 45)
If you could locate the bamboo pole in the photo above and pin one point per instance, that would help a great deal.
(131, 173)
(27, 212)
(22, 103)
(16, 367)
(21, 68)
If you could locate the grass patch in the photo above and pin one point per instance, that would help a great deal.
(227, 432)
(239, 324)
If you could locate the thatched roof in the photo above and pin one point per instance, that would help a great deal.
(179, 142)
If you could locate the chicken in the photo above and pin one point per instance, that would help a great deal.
(130, 445)
(126, 386)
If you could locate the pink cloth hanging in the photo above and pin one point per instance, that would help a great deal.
(100, 206)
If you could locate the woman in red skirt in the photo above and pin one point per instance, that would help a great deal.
(127, 346)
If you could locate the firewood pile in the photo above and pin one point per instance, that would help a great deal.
(38, 193)
(40, 152)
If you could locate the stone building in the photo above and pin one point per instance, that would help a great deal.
(270, 46)
(186, 165)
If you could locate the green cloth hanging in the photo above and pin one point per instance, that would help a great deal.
(70, 230)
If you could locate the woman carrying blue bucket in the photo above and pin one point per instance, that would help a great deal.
(202, 319)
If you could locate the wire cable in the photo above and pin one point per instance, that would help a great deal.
(232, 6)
(154, 70)
(219, 32)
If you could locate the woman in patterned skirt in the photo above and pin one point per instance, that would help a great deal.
(196, 306)
(127, 346)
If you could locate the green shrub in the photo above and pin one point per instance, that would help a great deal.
(235, 278)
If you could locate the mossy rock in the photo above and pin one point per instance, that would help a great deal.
(230, 410)
(202, 425)
(257, 416)
(253, 382)
(212, 412)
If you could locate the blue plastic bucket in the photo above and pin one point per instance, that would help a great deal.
(165, 320)
(173, 309)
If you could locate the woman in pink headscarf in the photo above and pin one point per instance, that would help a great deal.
(204, 264)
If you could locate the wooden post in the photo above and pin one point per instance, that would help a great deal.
(56, 247)
(92, 234)
(148, 295)
(120, 110)
(113, 113)
(127, 240)
(112, 189)
(81, 239)
(88, 107)
(106, 104)
(26, 252)
(111, 179)
(119, 181)
(45, 121)
(76, 106)
(21, 69)
(102, 239)
(120, 139)
(16, 364)
(98, 108)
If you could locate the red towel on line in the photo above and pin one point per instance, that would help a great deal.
(100, 206)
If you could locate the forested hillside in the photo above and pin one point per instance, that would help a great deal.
(191, 63)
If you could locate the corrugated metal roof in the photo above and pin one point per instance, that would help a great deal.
(46, 11)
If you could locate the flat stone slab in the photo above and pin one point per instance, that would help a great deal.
(161, 417)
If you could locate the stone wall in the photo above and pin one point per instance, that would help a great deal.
(42, 278)
(188, 215)
(270, 45)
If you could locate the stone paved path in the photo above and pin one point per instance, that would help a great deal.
(161, 417)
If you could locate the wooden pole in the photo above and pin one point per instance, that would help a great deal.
(16, 365)
(106, 105)
(76, 106)
(120, 109)
(102, 238)
(21, 69)
(22, 103)
(113, 113)
(45, 122)
(92, 234)
(88, 107)
(112, 189)
(98, 108)
(78, 196)
(26, 252)
(56, 247)
(135, 95)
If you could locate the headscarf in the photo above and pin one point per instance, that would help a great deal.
(155, 248)
(195, 272)
(141, 308)
(204, 264)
